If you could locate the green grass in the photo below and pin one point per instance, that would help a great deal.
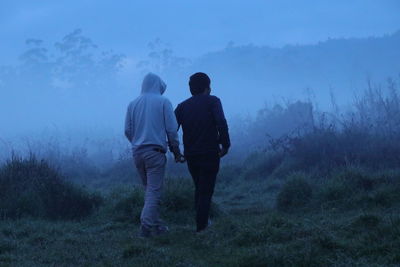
(350, 218)
(287, 218)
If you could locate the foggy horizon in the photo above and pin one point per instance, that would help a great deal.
(261, 53)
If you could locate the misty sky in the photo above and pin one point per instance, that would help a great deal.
(192, 28)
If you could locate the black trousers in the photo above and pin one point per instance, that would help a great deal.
(204, 169)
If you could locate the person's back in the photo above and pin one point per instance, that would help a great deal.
(203, 124)
(149, 123)
(204, 130)
(146, 123)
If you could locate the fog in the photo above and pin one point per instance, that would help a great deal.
(68, 69)
(311, 94)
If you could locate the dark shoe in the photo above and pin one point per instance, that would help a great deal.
(144, 232)
(160, 230)
(202, 230)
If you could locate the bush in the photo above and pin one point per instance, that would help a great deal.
(295, 193)
(334, 190)
(368, 136)
(32, 188)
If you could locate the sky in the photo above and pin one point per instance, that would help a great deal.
(192, 28)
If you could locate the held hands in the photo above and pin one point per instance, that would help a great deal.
(179, 158)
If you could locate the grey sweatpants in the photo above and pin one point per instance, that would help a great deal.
(151, 167)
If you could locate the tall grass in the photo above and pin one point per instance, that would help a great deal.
(30, 187)
(368, 135)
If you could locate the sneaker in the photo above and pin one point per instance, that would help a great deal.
(144, 232)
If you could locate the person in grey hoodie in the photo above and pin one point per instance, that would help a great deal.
(150, 125)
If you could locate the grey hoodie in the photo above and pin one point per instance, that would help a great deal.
(150, 118)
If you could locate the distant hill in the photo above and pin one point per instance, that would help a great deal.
(253, 74)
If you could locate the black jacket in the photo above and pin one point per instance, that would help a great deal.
(203, 123)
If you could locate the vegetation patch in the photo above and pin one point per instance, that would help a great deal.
(32, 188)
(295, 193)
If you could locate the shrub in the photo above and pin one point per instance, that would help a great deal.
(368, 135)
(32, 188)
(295, 193)
(337, 193)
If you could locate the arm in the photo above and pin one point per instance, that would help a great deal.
(129, 124)
(171, 127)
(222, 126)
(178, 116)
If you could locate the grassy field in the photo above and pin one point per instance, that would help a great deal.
(349, 218)
(328, 196)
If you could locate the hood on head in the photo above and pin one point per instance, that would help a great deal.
(153, 84)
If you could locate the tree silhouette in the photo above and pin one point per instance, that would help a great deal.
(161, 58)
(75, 63)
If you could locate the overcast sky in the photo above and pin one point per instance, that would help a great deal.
(192, 27)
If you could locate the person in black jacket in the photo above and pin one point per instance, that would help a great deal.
(205, 139)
